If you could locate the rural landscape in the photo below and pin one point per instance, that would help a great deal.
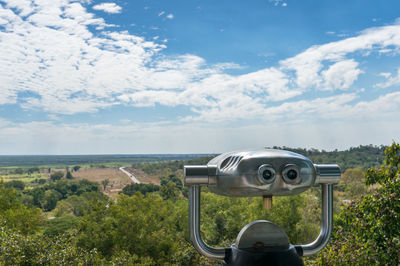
(84, 210)
(104, 103)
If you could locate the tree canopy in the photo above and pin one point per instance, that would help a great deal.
(367, 231)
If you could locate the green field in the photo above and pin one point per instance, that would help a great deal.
(13, 161)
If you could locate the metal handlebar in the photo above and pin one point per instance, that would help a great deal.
(194, 227)
(326, 223)
(219, 253)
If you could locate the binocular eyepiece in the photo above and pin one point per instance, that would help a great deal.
(263, 173)
(260, 173)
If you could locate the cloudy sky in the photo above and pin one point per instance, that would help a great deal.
(197, 76)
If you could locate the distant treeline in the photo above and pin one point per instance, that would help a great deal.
(154, 168)
(359, 157)
(40, 160)
(362, 157)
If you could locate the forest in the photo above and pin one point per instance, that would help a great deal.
(70, 221)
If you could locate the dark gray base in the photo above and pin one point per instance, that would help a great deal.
(265, 256)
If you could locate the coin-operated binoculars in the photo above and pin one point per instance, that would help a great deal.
(265, 173)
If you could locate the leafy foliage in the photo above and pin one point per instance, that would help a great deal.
(169, 191)
(78, 205)
(152, 168)
(150, 227)
(33, 170)
(363, 156)
(129, 224)
(131, 189)
(17, 184)
(56, 176)
(19, 249)
(16, 215)
(60, 225)
(68, 175)
(368, 230)
(172, 178)
(19, 171)
(47, 196)
(352, 183)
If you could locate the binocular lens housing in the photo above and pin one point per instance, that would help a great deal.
(266, 174)
(291, 174)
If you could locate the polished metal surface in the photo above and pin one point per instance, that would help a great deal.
(296, 179)
(326, 223)
(237, 173)
(266, 174)
(194, 227)
(242, 174)
(327, 173)
(261, 233)
(199, 175)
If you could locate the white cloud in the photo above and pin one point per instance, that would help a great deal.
(309, 64)
(131, 138)
(340, 75)
(390, 80)
(48, 49)
(169, 16)
(278, 2)
(385, 74)
(111, 8)
(4, 122)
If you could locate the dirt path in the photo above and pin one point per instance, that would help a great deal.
(132, 177)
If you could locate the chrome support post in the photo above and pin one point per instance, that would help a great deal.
(194, 227)
(326, 223)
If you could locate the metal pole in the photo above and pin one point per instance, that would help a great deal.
(326, 223)
(194, 227)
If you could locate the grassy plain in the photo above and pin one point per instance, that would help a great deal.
(117, 179)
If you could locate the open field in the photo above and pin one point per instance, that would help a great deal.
(96, 168)
(142, 176)
(28, 179)
(117, 179)
(45, 161)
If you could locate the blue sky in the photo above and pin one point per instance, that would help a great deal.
(144, 76)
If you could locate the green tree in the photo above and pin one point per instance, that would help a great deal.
(33, 170)
(353, 184)
(105, 183)
(76, 168)
(16, 184)
(78, 205)
(59, 190)
(49, 200)
(37, 249)
(169, 191)
(19, 171)
(60, 225)
(352, 175)
(56, 176)
(131, 189)
(69, 175)
(368, 230)
(145, 226)
(16, 215)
